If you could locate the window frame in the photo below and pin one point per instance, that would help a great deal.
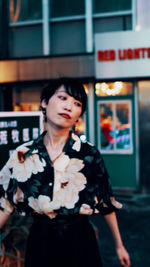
(114, 103)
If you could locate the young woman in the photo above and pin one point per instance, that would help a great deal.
(61, 181)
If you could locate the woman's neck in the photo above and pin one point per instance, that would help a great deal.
(55, 138)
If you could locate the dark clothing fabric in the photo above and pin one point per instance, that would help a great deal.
(54, 192)
(67, 243)
(30, 181)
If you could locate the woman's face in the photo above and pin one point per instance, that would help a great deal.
(62, 110)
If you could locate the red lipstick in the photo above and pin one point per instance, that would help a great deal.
(65, 115)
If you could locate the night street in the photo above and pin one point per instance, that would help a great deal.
(74, 127)
(133, 222)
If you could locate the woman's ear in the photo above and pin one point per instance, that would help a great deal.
(43, 104)
(43, 107)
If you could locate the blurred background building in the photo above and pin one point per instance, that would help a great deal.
(105, 45)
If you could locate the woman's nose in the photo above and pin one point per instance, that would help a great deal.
(68, 105)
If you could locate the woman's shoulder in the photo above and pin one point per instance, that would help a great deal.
(23, 148)
(90, 148)
(21, 152)
(30, 145)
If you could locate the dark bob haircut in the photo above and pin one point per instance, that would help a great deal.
(73, 87)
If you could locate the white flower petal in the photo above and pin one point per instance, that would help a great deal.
(96, 211)
(61, 163)
(5, 175)
(75, 165)
(24, 147)
(35, 151)
(68, 184)
(77, 145)
(22, 171)
(33, 203)
(38, 164)
(115, 203)
(18, 196)
(5, 204)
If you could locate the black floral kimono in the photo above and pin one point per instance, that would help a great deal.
(54, 193)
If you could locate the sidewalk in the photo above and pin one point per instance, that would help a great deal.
(134, 221)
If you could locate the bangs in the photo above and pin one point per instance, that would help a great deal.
(75, 92)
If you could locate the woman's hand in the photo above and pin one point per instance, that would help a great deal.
(123, 256)
(120, 249)
(3, 218)
(85, 210)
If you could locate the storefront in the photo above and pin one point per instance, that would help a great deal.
(122, 97)
(117, 120)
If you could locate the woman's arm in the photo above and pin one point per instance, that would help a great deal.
(3, 218)
(122, 254)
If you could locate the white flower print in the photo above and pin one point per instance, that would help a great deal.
(61, 163)
(5, 204)
(43, 204)
(115, 203)
(33, 203)
(35, 151)
(23, 167)
(68, 181)
(5, 175)
(18, 196)
(77, 145)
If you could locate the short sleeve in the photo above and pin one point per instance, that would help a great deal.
(11, 195)
(105, 201)
(5, 200)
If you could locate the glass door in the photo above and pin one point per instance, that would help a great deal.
(115, 126)
(116, 131)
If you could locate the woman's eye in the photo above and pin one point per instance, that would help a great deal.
(62, 97)
(78, 104)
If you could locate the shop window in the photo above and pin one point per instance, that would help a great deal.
(142, 14)
(23, 10)
(30, 106)
(111, 6)
(25, 41)
(109, 24)
(66, 8)
(80, 128)
(27, 98)
(113, 89)
(115, 126)
(62, 39)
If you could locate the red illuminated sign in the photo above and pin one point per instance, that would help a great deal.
(123, 54)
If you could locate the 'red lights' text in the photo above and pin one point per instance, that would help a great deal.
(123, 54)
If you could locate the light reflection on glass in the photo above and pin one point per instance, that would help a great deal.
(113, 89)
(122, 126)
(106, 125)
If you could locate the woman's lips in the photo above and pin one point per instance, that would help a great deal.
(65, 115)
